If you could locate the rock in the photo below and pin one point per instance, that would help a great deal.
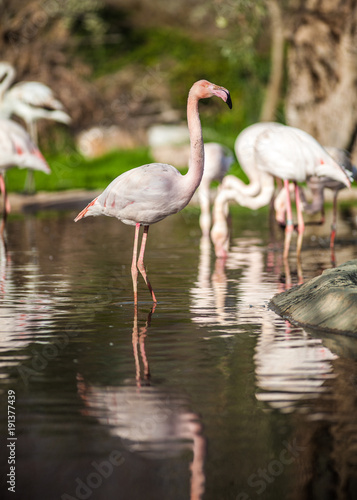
(327, 302)
(168, 135)
(100, 140)
(170, 144)
(173, 155)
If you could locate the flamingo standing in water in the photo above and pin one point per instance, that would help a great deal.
(30, 101)
(285, 153)
(17, 150)
(218, 159)
(317, 185)
(148, 194)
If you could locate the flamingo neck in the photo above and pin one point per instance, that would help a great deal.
(196, 160)
(7, 81)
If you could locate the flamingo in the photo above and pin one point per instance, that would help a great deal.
(148, 194)
(17, 150)
(218, 159)
(285, 153)
(30, 101)
(317, 186)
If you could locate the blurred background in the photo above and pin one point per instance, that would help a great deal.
(121, 66)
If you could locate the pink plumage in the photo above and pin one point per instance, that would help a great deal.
(148, 194)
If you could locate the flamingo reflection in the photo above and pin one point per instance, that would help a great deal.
(290, 365)
(210, 293)
(151, 421)
(27, 314)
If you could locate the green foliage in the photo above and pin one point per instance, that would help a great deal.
(84, 18)
(71, 171)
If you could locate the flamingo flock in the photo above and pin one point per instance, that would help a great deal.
(30, 102)
(268, 153)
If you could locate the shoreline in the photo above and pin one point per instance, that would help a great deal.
(74, 199)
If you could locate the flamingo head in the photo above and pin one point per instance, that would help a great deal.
(204, 89)
(220, 238)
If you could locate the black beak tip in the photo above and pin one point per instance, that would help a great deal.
(229, 101)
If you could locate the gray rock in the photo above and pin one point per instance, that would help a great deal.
(327, 302)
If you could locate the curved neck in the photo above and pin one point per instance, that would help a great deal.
(6, 81)
(196, 161)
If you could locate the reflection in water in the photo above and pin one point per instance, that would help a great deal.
(236, 359)
(208, 297)
(154, 422)
(26, 313)
(289, 364)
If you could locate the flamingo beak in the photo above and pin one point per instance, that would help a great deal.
(224, 95)
(229, 100)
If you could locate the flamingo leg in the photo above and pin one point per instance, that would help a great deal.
(301, 225)
(7, 207)
(134, 270)
(30, 179)
(140, 263)
(205, 216)
(135, 338)
(138, 338)
(333, 229)
(289, 221)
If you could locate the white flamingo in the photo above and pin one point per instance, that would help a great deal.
(317, 186)
(30, 101)
(281, 152)
(17, 150)
(148, 194)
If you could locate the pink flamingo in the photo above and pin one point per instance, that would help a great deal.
(148, 194)
(317, 185)
(282, 152)
(30, 101)
(17, 150)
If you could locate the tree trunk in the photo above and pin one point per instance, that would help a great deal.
(272, 95)
(322, 71)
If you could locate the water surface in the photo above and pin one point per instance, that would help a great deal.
(209, 395)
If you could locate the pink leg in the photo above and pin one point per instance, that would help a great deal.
(141, 266)
(301, 225)
(289, 221)
(333, 230)
(7, 207)
(135, 345)
(134, 270)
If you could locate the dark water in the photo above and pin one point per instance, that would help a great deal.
(211, 395)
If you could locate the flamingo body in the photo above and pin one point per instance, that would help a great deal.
(28, 100)
(143, 195)
(245, 149)
(218, 159)
(274, 150)
(147, 194)
(18, 150)
(291, 154)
